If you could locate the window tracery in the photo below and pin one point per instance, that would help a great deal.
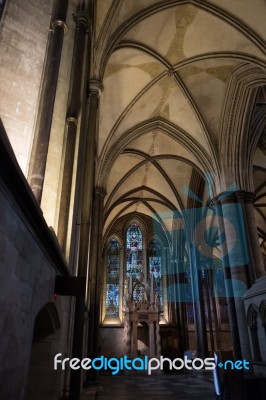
(112, 279)
(139, 266)
(134, 251)
(155, 267)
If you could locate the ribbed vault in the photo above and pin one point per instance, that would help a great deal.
(169, 69)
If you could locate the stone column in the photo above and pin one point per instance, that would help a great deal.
(77, 347)
(178, 245)
(253, 234)
(181, 306)
(255, 343)
(128, 336)
(151, 339)
(74, 109)
(171, 291)
(199, 313)
(240, 197)
(210, 274)
(134, 348)
(86, 173)
(47, 98)
(82, 210)
(158, 339)
(94, 277)
(228, 285)
(237, 273)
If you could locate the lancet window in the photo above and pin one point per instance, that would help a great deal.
(112, 279)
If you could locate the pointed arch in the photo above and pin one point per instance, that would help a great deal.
(262, 312)
(235, 132)
(110, 153)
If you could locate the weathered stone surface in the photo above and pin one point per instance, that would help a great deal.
(23, 37)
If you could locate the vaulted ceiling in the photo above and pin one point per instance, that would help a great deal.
(166, 67)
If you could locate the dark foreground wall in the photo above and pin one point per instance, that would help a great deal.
(29, 261)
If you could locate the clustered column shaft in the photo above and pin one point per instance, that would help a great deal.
(47, 99)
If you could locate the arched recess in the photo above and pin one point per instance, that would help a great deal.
(252, 317)
(143, 338)
(43, 381)
(262, 312)
(235, 137)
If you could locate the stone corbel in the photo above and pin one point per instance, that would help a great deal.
(95, 87)
(58, 23)
(81, 18)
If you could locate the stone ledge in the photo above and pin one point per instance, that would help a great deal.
(259, 287)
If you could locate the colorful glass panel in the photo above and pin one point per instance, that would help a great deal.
(138, 292)
(134, 253)
(112, 279)
(155, 267)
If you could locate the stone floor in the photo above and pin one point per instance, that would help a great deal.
(172, 387)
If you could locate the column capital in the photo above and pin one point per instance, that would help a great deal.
(214, 202)
(100, 191)
(233, 197)
(95, 87)
(227, 198)
(81, 18)
(72, 120)
(58, 23)
(249, 197)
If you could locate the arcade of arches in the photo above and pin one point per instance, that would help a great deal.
(133, 187)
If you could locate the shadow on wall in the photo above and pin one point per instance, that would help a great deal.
(43, 380)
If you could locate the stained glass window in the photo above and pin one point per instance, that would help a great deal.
(134, 252)
(155, 267)
(112, 279)
(138, 292)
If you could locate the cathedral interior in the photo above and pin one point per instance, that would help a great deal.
(132, 194)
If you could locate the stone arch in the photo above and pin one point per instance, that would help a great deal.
(110, 43)
(110, 153)
(234, 142)
(262, 313)
(46, 322)
(252, 317)
(143, 343)
(43, 380)
(135, 219)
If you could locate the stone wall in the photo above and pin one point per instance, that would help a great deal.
(51, 191)
(255, 305)
(23, 36)
(30, 260)
(112, 341)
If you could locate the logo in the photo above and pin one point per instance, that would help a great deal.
(203, 232)
(145, 364)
